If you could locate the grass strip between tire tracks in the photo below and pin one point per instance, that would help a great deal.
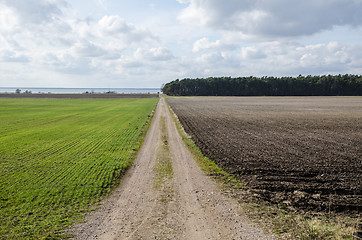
(164, 186)
(273, 218)
(163, 168)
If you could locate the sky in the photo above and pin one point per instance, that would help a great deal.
(146, 43)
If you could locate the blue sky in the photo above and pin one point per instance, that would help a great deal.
(145, 43)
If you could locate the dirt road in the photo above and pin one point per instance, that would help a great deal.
(165, 195)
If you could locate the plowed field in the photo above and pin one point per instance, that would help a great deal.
(304, 152)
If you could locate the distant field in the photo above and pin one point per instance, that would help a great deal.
(300, 151)
(59, 156)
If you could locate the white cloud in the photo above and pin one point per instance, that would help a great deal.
(289, 58)
(204, 44)
(273, 18)
(280, 59)
(154, 54)
(333, 54)
(88, 49)
(115, 26)
(252, 53)
(35, 11)
(8, 19)
(11, 56)
(210, 58)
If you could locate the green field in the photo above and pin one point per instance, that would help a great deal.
(58, 157)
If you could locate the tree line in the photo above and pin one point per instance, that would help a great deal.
(326, 85)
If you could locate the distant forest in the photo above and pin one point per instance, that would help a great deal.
(338, 85)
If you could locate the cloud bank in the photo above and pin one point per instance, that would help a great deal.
(49, 43)
(277, 18)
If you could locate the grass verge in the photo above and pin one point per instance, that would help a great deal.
(284, 223)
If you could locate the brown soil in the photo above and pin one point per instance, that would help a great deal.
(302, 151)
(154, 202)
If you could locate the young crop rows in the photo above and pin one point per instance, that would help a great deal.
(304, 152)
(59, 156)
